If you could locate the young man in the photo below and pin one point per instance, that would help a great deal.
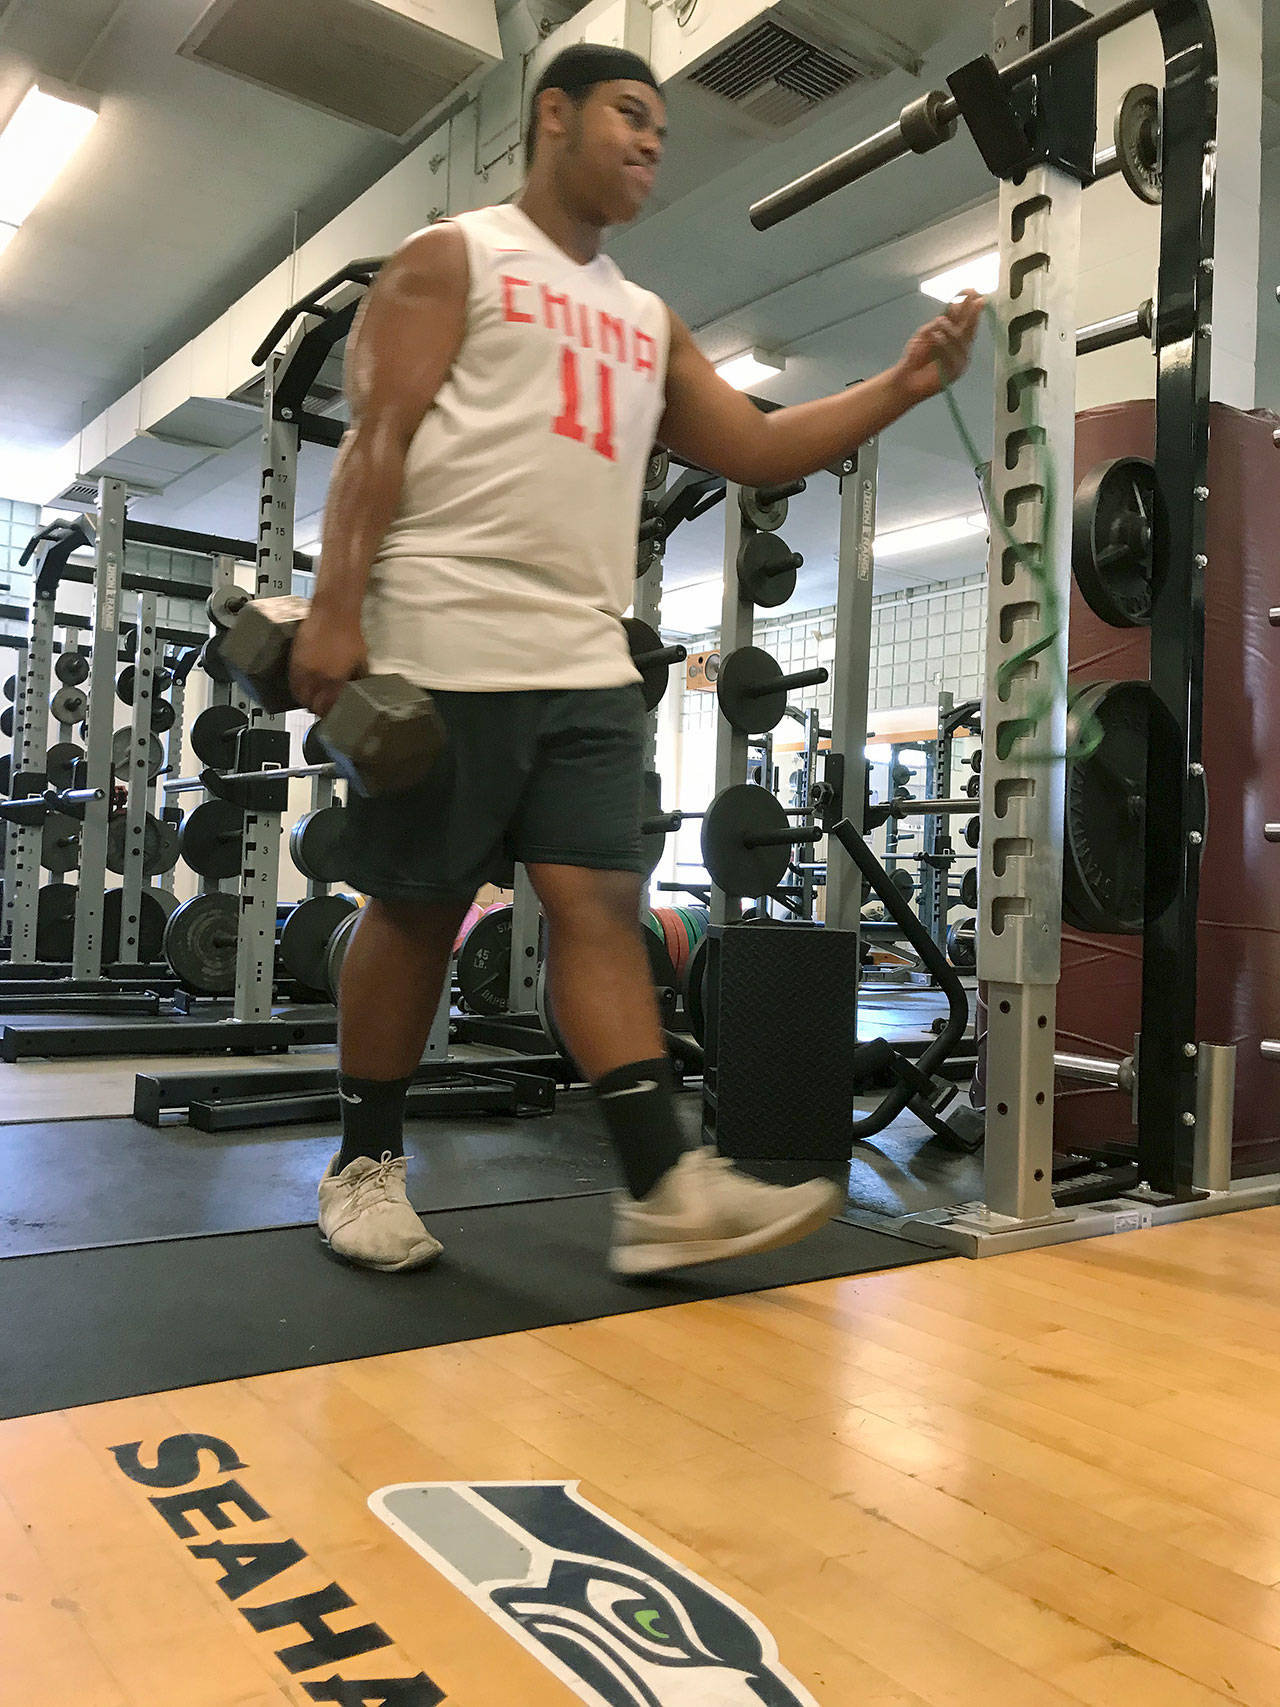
(506, 386)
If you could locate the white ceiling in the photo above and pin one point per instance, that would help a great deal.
(187, 191)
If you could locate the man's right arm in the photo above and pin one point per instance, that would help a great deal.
(405, 340)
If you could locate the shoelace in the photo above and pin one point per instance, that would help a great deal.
(377, 1180)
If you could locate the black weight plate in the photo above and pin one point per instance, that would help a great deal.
(127, 683)
(213, 735)
(969, 888)
(1112, 524)
(305, 938)
(695, 991)
(972, 831)
(652, 843)
(210, 840)
(71, 668)
(643, 639)
(60, 763)
(743, 674)
(484, 963)
(122, 747)
(736, 813)
(163, 716)
(165, 899)
(200, 943)
(766, 569)
(60, 844)
(904, 883)
(153, 915)
(211, 659)
(160, 844)
(6, 772)
(962, 946)
(1137, 139)
(69, 705)
(316, 844)
(314, 751)
(646, 556)
(655, 475)
(1104, 860)
(765, 518)
(336, 953)
(663, 973)
(6, 721)
(11, 688)
(55, 922)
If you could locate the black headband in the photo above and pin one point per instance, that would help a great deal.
(588, 63)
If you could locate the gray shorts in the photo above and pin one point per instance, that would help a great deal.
(548, 777)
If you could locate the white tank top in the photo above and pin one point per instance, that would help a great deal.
(513, 553)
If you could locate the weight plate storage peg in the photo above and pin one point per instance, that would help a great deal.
(1138, 144)
(60, 844)
(1112, 526)
(210, 840)
(752, 689)
(767, 569)
(316, 845)
(765, 507)
(213, 735)
(71, 668)
(652, 659)
(122, 749)
(735, 817)
(69, 705)
(200, 943)
(305, 939)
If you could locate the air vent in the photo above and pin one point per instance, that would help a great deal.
(775, 76)
(80, 495)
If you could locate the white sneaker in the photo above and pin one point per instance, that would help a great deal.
(366, 1216)
(703, 1209)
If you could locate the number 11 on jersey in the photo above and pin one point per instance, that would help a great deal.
(569, 421)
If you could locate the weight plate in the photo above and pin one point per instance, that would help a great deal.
(695, 992)
(152, 917)
(225, 604)
(969, 888)
(765, 518)
(314, 751)
(1137, 139)
(60, 763)
(122, 749)
(747, 692)
(973, 787)
(211, 660)
(733, 816)
(655, 477)
(767, 569)
(484, 963)
(60, 844)
(972, 831)
(71, 668)
(163, 716)
(69, 705)
(643, 639)
(127, 682)
(210, 840)
(1112, 524)
(160, 844)
(1104, 861)
(200, 943)
(213, 735)
(652, 842)
(962, 945)
(55, 922)
(11, 688)
(6, 721)
(165, 899)
(6, 772)
(304, 940)
(336, 953)
(317, 844)
(904, 883)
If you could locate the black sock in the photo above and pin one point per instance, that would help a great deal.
(372, 1117)
(638, 1110)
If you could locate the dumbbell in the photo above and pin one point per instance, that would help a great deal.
(383, 733)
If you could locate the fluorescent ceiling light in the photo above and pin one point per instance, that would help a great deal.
(928, 535)
(35, 145)
(982, 274)
(751, 368)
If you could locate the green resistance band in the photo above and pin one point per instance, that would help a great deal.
(1084, 733)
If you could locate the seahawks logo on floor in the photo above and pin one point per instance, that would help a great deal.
(617, 1621)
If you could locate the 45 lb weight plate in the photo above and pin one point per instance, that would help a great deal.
(200, 943)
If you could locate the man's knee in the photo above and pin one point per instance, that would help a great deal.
(592, 901)
(424, 921)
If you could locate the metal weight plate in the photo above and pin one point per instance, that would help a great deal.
(655, 477)
(163, 715)
(69, 705)
(767, 569)
(213, 735)
(316, 844)
(160, 844)
(60, 763)
(11, 688)
(225, 605)
(336, 953)
(484, 963)
(71, 668)
(6, 721)
(305, 938)
(1111, 540)
(60, 844)
(200, 943)
(1104, 861)
(165, 899)
(314, 751)
(55, 922)
(734, 815)
(962, 945)
(152, 917)
(211, 661)
(972, 831)
(767, 518)
(751, 712)
(1138, 146)
(210, 840)
(122, 747)
(969, 888)
(654, 679)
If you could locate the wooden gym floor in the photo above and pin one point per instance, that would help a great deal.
(1032, 1481)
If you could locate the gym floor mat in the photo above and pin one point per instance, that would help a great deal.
(86, 1326)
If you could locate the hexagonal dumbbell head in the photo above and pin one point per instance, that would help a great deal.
(255, 650)
(384, 734)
